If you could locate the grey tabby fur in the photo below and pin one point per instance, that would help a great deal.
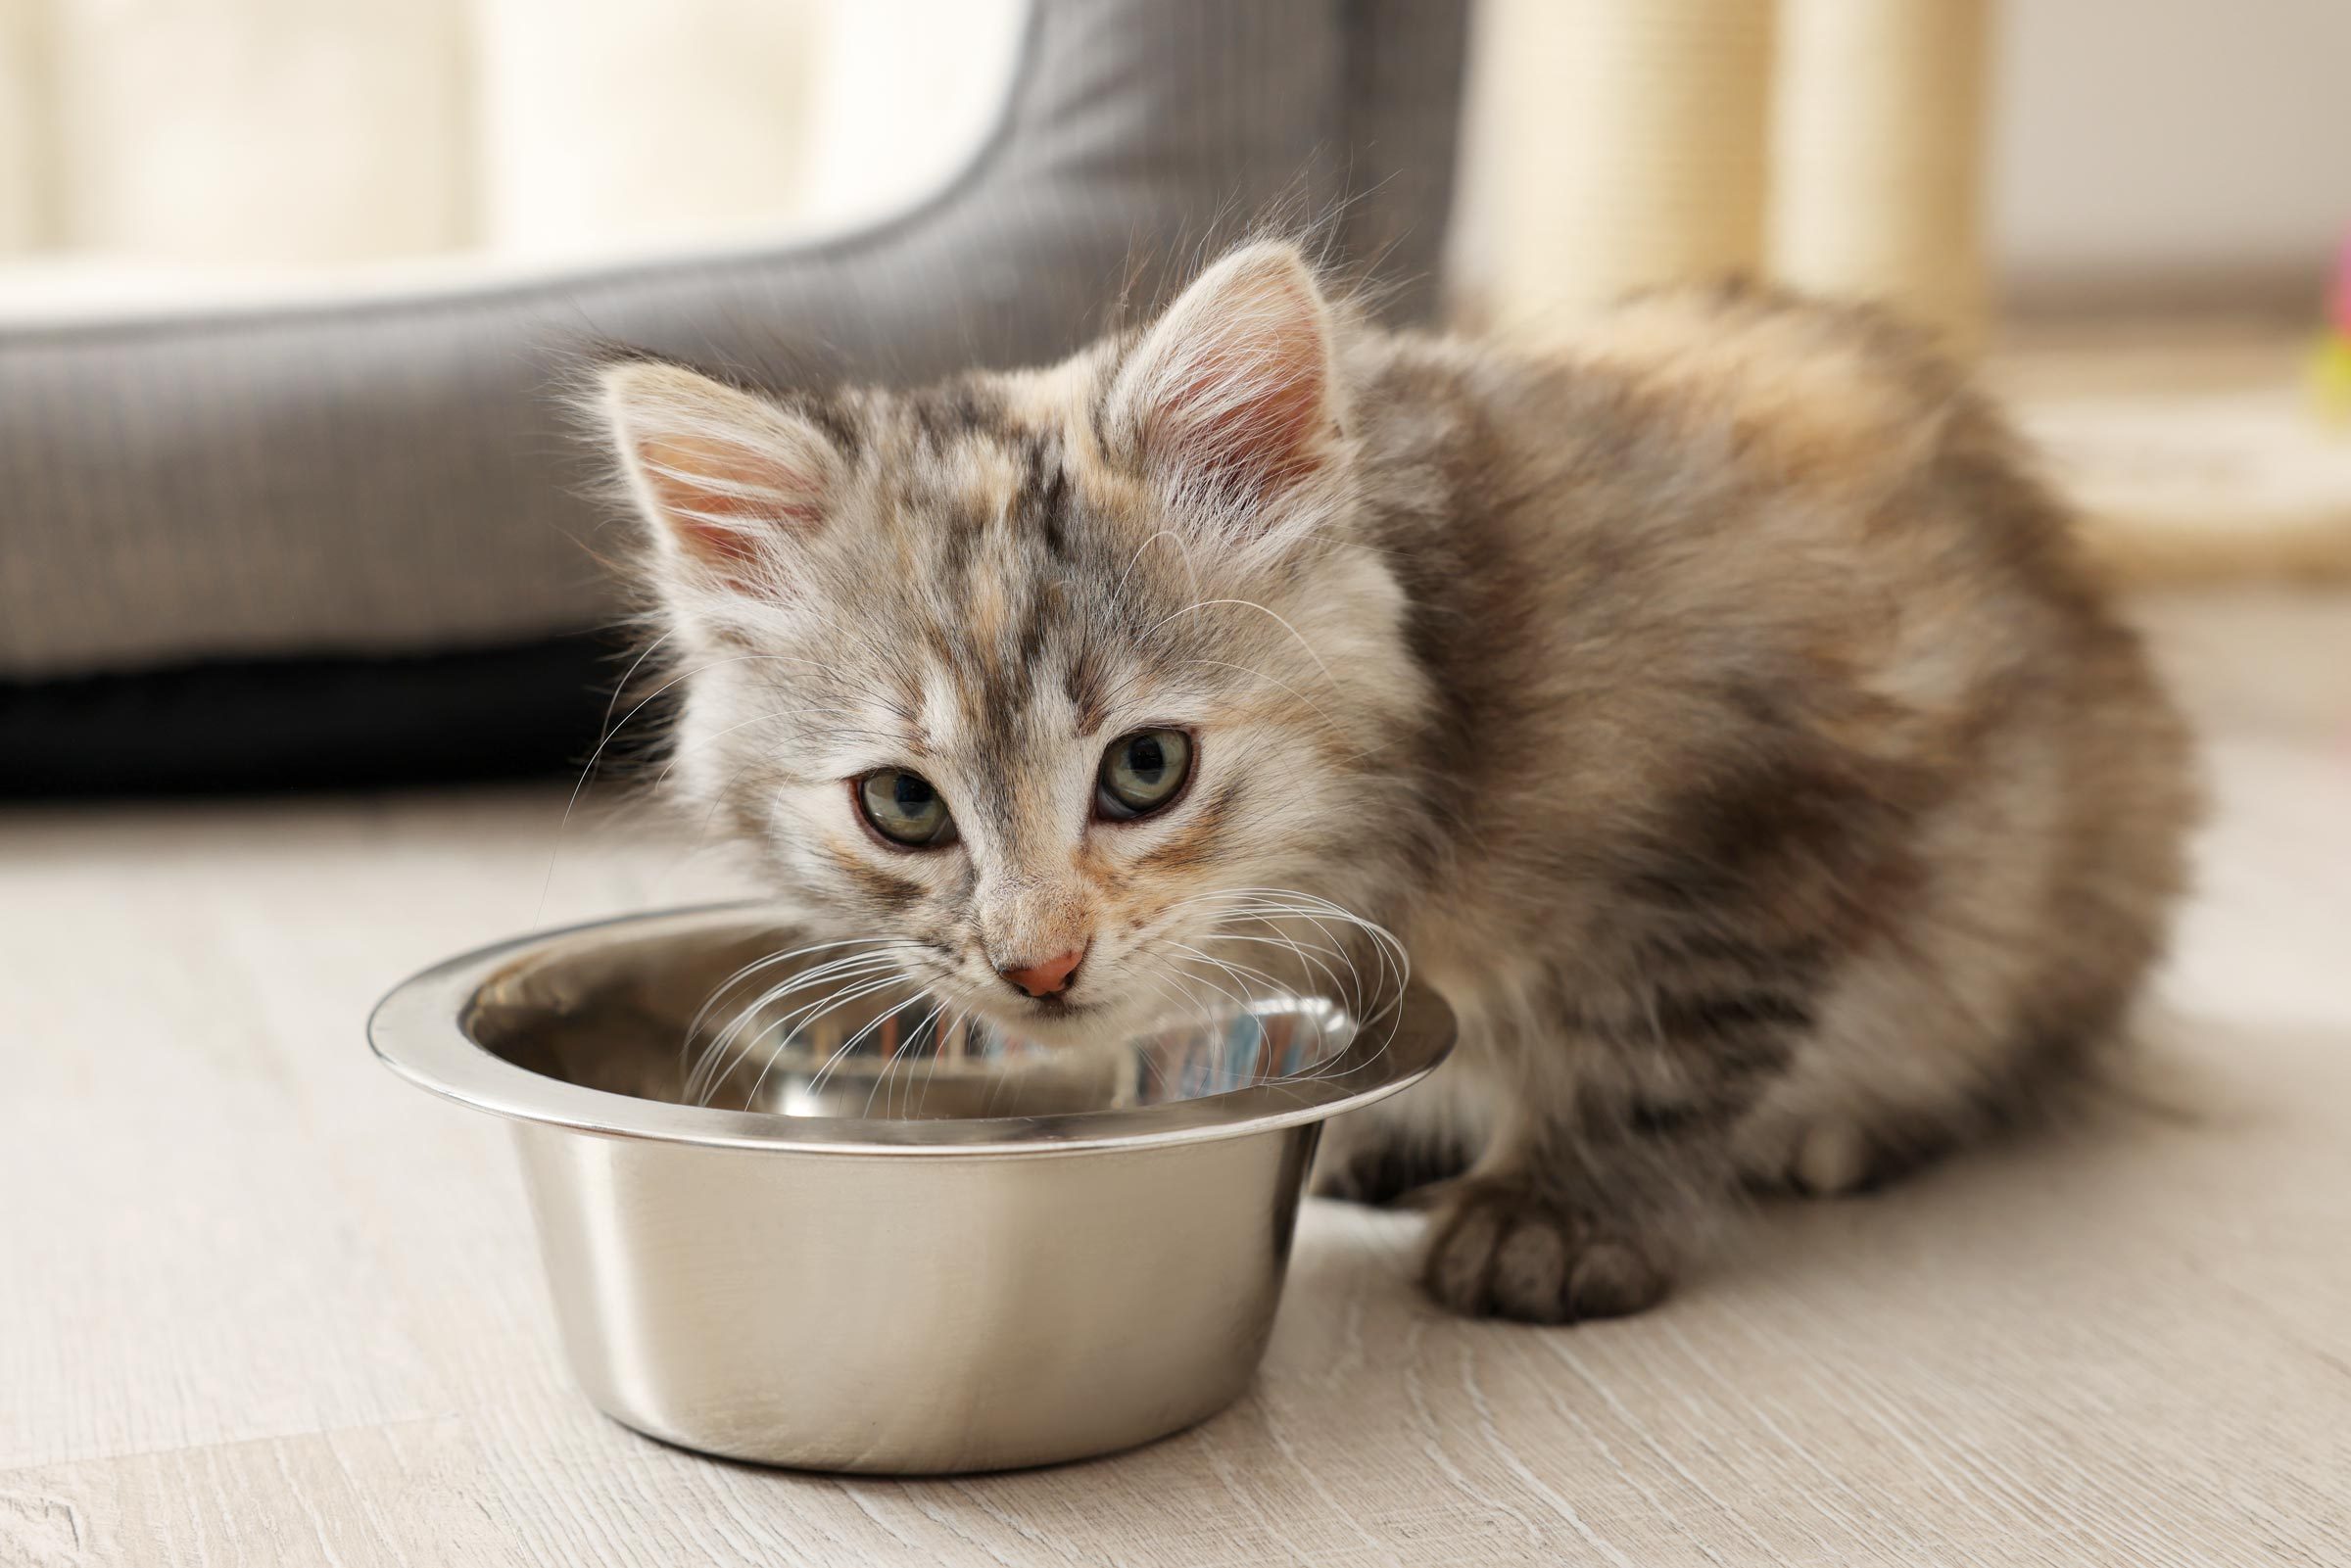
(1714, 708)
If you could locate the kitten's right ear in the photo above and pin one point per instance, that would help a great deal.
(725, 478)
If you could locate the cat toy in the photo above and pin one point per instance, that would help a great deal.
(2330, 364)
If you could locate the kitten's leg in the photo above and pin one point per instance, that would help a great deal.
(1393, 1149)
(1894, 1077)
(1406, 1144)
(1844, 1153)
(1591, 1192)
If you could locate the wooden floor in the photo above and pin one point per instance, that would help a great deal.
(261, 1304)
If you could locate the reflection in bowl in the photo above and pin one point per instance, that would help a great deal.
(696, 1023)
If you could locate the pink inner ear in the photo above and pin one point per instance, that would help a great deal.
(1256, 427)
(718, 496)
(1235, 389)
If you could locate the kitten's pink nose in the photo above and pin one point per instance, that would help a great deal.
(1047, 975)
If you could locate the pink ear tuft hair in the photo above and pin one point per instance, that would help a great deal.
(1233, 391)
(725, 476)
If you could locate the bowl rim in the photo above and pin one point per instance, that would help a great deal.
(418, 1031)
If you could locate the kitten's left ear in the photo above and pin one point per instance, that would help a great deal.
(1232, 391)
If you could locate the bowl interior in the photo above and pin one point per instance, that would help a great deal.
(713, 1016)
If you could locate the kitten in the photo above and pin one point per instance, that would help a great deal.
(1715, 708)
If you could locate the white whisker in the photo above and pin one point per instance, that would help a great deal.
(1249, 604)
(719, 1058)
(855, 992)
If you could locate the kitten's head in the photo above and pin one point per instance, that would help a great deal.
(1058, 682)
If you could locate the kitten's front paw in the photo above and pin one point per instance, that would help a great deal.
(1504, 1250)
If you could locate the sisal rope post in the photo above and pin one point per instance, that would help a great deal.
(1878, 130)
(25, 142)
(1653, 122)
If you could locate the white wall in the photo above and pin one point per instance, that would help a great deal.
(2157, 138)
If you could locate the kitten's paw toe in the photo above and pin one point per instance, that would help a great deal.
(1832, 1158)
(1840, 1158)
(1615, 1277)
(1498, 1252)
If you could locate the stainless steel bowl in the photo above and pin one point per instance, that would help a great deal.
(882, 1239)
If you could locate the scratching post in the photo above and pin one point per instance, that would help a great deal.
(1634, 144)
(1666, 100)
(1877, 155)
(24, 128)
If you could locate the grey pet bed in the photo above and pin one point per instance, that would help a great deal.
(215, 527)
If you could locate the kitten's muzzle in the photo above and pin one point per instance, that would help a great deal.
(1047, 976)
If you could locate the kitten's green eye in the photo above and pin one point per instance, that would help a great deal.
(904, 809)
(1142, 772)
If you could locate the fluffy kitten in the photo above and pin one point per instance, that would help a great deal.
(1715, 708)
